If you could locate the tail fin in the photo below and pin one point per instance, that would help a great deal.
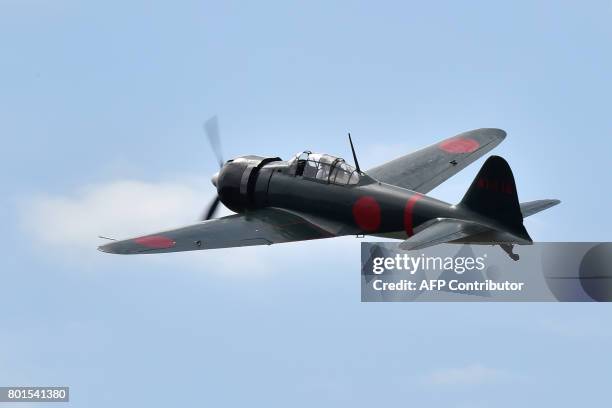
(493, 195)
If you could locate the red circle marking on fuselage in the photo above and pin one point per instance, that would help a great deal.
(409, 214)
(459, 145)
(366, 212)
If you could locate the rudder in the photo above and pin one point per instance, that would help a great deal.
(493, 195)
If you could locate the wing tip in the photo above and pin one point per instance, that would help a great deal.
(111, 249)
(486, 138)
(494, 133)
(124, 247)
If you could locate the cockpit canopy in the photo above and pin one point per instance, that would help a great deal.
(323, 168)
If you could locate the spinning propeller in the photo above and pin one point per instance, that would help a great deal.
(211, 127)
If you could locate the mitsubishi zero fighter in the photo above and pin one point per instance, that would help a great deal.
(316, 196)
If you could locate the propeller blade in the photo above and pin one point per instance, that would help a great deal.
(211, 127)
(210, 213)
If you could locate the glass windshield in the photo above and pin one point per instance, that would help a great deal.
(341, 174)
(325, 168)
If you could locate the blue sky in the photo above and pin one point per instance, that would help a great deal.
(101, 117)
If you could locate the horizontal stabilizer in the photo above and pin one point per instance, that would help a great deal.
(449, 230)
(439, 231)
(534, 207)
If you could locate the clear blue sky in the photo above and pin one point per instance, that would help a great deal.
(101, 111)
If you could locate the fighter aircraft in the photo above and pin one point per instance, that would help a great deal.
(315, 196)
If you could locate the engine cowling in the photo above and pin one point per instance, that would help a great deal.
(236, 181)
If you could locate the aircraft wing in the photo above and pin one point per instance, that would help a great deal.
(427, 168)
(260, 227)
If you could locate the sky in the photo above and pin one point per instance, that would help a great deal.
(101, 115)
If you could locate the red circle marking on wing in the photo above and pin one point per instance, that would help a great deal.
(366, 213)
(155, 242)
(459, 145)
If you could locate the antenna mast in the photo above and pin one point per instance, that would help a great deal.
(354, 155)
